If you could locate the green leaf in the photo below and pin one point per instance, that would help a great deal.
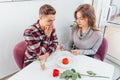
(73, 70)
(69, 73)
(66, 78)
(62, 75)
(71, 25)
(74, 21)
(74, 76)
(79, 76)
(91, 73)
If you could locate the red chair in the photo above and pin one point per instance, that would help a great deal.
(19, 52)
(101, 53)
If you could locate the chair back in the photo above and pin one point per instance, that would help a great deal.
(101, 53)
(19, 52)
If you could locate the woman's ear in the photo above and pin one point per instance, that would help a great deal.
(86, 19)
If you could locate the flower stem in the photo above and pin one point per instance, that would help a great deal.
(94, 76)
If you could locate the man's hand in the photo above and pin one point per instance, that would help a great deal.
(48, 30)
(42, 60)
(75, 52)
(44, 57)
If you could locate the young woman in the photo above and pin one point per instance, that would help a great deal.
(85, 37)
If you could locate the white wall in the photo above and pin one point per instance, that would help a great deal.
(15, 17)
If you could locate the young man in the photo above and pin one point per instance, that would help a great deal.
(41, 38)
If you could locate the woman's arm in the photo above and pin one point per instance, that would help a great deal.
(95, 47)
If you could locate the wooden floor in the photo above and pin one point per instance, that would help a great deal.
(116, 75)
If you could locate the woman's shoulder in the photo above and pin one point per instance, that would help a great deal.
(74, 28)
(98, 33)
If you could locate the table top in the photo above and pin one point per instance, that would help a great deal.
(80, 63)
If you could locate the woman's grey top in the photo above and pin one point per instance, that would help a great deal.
(88, 43)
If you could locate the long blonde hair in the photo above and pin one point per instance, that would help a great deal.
(87, 11)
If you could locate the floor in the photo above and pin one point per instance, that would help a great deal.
(115, 77)
(117, 69)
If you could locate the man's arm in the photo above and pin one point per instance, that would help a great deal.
(53, 42)
(34, 44)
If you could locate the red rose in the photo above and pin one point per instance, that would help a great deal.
(55, 72)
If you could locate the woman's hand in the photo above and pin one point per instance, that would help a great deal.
(75, 52)
(60, 47)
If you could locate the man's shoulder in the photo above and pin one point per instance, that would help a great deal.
(30, 28)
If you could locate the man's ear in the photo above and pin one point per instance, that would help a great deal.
(40, 16)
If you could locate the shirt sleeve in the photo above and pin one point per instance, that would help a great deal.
(53, 42)
(35, 44)
(95, 47)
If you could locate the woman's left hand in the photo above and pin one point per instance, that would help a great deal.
(75, 52)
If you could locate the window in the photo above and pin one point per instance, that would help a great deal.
(114, 12)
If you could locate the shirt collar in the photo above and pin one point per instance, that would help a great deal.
(87, 33)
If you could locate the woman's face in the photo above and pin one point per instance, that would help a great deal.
(82, 22)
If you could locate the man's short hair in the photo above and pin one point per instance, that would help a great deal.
(47, 9)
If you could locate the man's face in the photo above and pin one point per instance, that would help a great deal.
(47, 20)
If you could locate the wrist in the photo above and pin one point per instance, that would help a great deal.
(47, 55)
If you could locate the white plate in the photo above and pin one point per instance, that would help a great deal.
(59, 62)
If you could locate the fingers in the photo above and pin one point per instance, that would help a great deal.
(42, 58)
(75, 52)
(46, 27)
(48, 30)
(60, 47)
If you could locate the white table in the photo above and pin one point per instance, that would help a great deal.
(80, 63)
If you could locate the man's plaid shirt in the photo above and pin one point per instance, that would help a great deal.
(38, 43)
